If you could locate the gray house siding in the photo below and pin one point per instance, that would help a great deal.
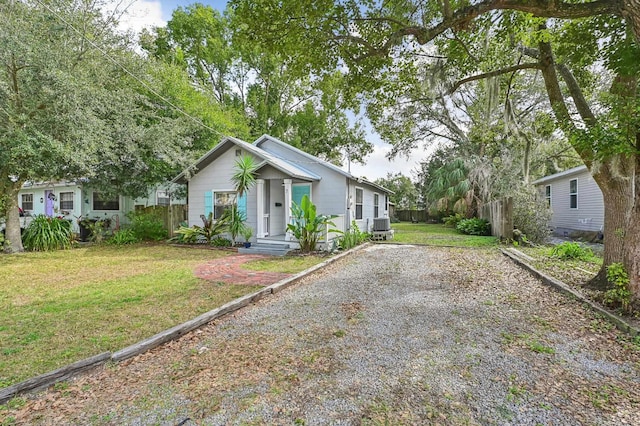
(589, 212)
(217, 177)
(368, 206)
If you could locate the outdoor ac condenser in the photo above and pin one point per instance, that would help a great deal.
(381, 224)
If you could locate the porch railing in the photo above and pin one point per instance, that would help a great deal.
(265, 225)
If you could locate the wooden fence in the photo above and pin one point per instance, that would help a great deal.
(412, 215)
(171, 215)
(499, 213)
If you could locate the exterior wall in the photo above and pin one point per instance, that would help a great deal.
(329, 193)
(217, 177)
(589, 216)
(366, 223)
(175, 190)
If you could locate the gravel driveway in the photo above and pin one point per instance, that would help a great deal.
(389, 335)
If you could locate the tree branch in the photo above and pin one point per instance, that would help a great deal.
(528, 65)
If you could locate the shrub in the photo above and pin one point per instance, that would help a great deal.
(619, 295)
(307, 226)
(531, 215)
(47, 233)
(206, 233)
(122, 237)
(147, 226)
(474, 226)
(571, 251)
(98, 229)
(452, 220)
(352, 237)
(221, 242)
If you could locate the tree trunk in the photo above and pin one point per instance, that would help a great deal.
(617, 197)
(632, 237)
(12, 231)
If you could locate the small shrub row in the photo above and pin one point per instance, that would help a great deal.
(353, 237)
(571, 251)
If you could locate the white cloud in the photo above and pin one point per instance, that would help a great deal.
(136, 15)
(378, 165)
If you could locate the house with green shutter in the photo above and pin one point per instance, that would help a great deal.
(284, 175)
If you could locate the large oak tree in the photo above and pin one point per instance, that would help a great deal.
(586, 51)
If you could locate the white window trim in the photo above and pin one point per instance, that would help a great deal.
(574, 193)
(93, 194)
(73, 199)
(548, 198)
(33, 201)
(168, 195)
(376, 206)
(213, 202)
(355, 202)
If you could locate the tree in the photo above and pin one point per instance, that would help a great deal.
(568, 43)
(274, 97)
(405, 195)
(71, 108)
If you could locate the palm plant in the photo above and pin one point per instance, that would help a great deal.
(307, 225)
(244, 176)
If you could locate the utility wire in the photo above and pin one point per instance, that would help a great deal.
(135, 77)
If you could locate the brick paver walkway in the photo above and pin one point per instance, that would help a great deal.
(227, 270)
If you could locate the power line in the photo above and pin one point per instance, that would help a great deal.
(135, 77)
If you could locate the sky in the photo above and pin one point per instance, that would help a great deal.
(146, 13)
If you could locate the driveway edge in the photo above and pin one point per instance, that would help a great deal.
(619, 322)
(69, 371)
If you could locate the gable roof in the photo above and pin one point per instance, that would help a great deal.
(285, 165)
(559, 175)
(276, 162)
(314, 159)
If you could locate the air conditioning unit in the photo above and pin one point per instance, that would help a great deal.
(381, 224)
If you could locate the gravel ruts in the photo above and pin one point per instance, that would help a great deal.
(389, 335)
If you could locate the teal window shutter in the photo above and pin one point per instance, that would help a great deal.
(299, 191)
(242, 205)
(208, 203)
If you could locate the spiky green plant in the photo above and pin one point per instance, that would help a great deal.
(307, 225)
(47, 233)
(244, 176)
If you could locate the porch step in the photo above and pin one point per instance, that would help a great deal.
(267, 249)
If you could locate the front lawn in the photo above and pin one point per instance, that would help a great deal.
(59, 307)
(437, 235)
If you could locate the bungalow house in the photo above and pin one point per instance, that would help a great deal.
(71, 201)
(284, 175)
(575, 200)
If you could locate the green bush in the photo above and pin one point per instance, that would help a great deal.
(210, 230)
(147, 226)
(352, 237)
(307, 225)
(531, 215)
(619, 295)
(221, 242)
(122, 237)
(571, 251)
(47, 233)
(452, 220)
(474, 226)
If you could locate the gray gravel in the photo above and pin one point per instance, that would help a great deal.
(400, 335)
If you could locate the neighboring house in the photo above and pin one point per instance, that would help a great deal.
(284, 175)
(71, 201)
(575, 200)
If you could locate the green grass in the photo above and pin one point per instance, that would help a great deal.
(437, 235)
(59, 307)
(287, 264)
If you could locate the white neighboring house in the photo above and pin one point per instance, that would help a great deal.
(71, 201)
(284, 175)
(575, 200)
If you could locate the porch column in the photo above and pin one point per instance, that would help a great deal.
(260, 231)
(287, 207)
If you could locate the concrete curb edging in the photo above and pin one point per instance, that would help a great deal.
(47, 379)
(619, 322)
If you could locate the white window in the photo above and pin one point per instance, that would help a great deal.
(101, 202)
(27, 202)
(222, 201)
(359, 198)
(66, 201)
(547, 194)
(376, 205)
(163, 198)
(573, 193)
